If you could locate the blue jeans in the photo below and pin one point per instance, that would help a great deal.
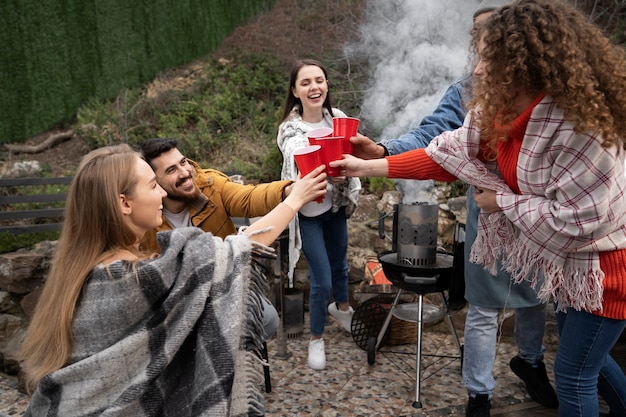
(583, 367)
(271, 319)
(325, 246)
(480, 338)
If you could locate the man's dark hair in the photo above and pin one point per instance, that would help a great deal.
(153, 148)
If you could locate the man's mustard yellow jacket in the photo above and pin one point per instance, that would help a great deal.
(221, 199)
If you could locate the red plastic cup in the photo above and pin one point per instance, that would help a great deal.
(346, 127)
(320, 132)
(307, 159)
(332, 150)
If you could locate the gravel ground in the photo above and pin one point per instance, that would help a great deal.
(12, 402)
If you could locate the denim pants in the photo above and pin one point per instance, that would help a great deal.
(480, 338)
(271, 319)
(325, 246)
(584, 368)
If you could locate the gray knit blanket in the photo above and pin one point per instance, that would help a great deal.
(172, 336)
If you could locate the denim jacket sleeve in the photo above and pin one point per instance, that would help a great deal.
(448, 115)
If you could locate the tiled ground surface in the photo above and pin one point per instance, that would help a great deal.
(349, 386)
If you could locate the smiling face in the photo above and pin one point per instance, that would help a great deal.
(176, 175)
(143, 208)
(311, 87)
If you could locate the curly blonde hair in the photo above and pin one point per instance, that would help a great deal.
(548, 46)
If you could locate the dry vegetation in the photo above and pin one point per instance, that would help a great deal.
(291, 30)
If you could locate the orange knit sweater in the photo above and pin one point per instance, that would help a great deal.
(417, 165)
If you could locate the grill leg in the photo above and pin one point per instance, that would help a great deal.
(418, 367)
(383, 330)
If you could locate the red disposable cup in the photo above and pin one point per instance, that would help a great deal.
(346, 127)
(332, 150)
(307, 159)
(320, 132)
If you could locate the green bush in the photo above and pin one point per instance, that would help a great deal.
(225, 118)
(458, 188)
(11, 243)
(59, 53)
(377, 185)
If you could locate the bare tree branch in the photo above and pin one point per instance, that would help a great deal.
(51, 141)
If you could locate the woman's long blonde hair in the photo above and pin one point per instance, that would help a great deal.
(92, 229)
(548, 46)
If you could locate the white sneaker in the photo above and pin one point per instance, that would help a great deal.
(344, 317)
(317, 354)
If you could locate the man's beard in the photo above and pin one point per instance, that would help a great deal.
(186, 198)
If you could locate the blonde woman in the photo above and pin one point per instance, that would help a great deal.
(121, 332)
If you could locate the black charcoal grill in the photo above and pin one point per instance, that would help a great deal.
(415, 265)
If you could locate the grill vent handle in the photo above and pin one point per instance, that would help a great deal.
(381, 224)
(419, 280)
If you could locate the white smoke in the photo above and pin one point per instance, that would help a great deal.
(415, 49)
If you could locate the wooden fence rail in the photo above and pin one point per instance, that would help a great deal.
(42, 219)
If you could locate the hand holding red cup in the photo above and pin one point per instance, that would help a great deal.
(332, 150)
(346, 127)
(307, 159)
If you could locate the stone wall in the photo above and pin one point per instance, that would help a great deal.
(21, 276)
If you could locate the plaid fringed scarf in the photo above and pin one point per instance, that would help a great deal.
(552, 233)
(173, 336)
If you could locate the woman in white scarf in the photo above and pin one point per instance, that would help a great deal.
(320, 229)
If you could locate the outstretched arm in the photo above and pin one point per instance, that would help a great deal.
(366, 148)
(356, 167)
(415, 164)
(304, 190)
(448, 115)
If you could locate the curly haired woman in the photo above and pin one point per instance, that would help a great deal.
(548, 109)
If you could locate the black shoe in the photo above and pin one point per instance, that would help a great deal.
(536, 380)
(478, 406)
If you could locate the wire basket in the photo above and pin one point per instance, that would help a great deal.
(368, 320)
(402, 332)
(370, 316)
